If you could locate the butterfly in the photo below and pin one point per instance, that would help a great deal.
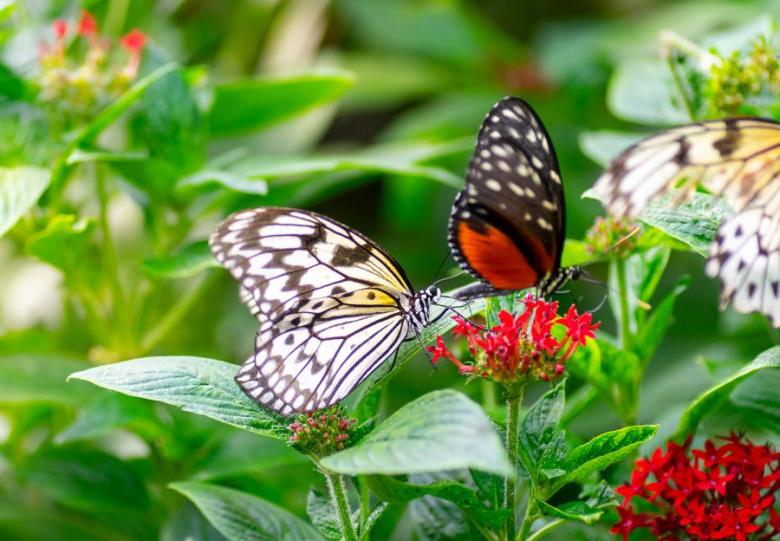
(737, 159)
(507, 225)
(331, 304)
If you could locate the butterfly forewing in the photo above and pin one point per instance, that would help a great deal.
(737, 159)
(507, 224)
(331, 304)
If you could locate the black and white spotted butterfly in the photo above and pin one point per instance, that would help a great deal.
(332, 305)
(737, 159)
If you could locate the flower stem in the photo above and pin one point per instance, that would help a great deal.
(528, 519)
(338, 496)
(625, 321)
(546, 529)
(513, 403)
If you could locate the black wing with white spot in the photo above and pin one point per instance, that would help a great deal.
(332, 305)
(507, 225)
(736, 159)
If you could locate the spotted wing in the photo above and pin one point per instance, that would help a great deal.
(737, 159)
(507, 224)
(331, 304)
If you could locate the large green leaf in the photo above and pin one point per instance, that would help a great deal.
(186, 262)
(64, 245)
(600, 452)
(576, 511)
(20, 188)
(442, 430)
(760, 399)
(40, 378)
(437, 519)
(392, 490)
(542, 442)
(395, 158)
(247, 105)
(643, 91)
(195, 384)
(244, 517)
(323, 515)
(709, 399)
(694, 223)
(169, 122)
(108, 412)
(187, 524)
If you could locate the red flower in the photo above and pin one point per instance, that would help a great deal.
(522, 346)
(60, 29)
(87, 24)
(134, 41)
(719, 492)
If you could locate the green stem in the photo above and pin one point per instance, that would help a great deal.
(680, 84)
(546, 529)
(115, 18)
(528, 519)
(488, 395)
(624, 325)
(109, 250)
(513, 402)
(338, 495)
(177, 312)
(365, 501)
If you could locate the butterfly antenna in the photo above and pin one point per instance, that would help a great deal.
(588, 277)
(441, 266)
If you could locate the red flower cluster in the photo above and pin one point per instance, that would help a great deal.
(78, 85)
(719, 492)
(321, 433)
(523, 346)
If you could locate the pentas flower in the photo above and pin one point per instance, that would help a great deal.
(532, 345)
(610, 236)
(74, 84)
(322, 432)
(724, 491)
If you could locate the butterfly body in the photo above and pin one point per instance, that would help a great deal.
(331, 305)
(737, 159)
(507, 225)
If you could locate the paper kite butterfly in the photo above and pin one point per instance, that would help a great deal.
(737, 159)
(332, 305)
(507, 226)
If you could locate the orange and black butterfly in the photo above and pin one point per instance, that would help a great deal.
(507, 226)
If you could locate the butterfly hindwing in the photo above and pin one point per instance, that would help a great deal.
(736, 159)
(331, 304)
(507, 224)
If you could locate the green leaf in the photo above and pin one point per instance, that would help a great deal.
(442, 430)
(185, 263)
(394, 491)
(195, 384)
(40, 378)
(694, 223)
(20, 189)
(248, 105)
(187, 524)
(243, 517)
(760, 398)
(600, 452)
(403, 159)
(542, 443)
(105, 413)
(603, 146)
(64, 244)
(643, 91)
(372, 519)
(111, 113)
(225, 179)
(435, 519)
(576, 511)
(86, 480)
(169, 122)
(654, 329)
(709, 399)
(244, 453)
(323, 515)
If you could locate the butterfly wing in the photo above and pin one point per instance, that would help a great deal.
(330, 302)
(737, 159)
(507, 224)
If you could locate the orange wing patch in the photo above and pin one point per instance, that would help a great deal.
(495, 257)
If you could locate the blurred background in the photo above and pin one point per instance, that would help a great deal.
(403, 86)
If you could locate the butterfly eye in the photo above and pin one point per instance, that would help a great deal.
(434, 293)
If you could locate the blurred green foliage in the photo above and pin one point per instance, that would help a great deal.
(366, 111)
